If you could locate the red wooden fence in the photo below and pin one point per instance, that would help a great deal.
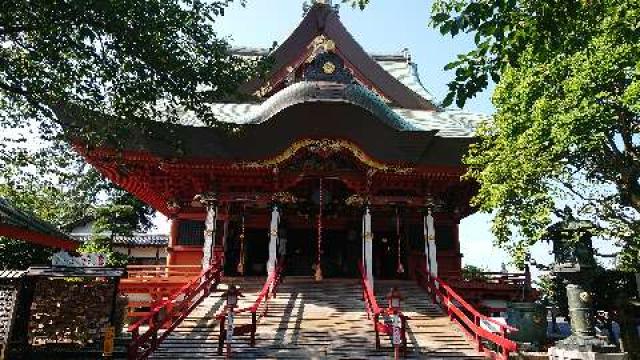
(168, 314)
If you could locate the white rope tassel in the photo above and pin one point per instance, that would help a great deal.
(431, 239)
(426, 245)
(209, 236)
(273, 240)
(368, 246)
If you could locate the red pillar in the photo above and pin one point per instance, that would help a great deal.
(456, 237)
(173, 240)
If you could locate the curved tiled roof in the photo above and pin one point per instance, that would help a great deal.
(12, 216)
(307, 91)
(407, 73)
(448, 123)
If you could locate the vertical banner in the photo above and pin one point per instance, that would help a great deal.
(318, 273)
(397, 330)
(400, 268)
(108, 344)
(230, 328)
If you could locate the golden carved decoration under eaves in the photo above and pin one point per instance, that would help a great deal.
(325, 148)
(320, 44)
(284, 197)
(355, 200)
(264, 90)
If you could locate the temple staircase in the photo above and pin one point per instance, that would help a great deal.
(430, 333)
(317, 320)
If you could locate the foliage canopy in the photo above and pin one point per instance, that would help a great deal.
(567, 104)
(131, 60)
(566, 131)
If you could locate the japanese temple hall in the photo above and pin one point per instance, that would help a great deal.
(340, 157)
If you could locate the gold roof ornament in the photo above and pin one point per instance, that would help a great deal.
(329, 68)
(319, 45)
(306, 6)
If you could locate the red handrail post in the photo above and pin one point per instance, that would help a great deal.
(153, 324)
(404, 335)
(133, 350)
(376, 317)
(222, 336)
(254, 328)
(476, 321)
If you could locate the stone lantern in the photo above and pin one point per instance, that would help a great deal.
(575, 264)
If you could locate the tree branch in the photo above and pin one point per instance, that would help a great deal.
(15, 90)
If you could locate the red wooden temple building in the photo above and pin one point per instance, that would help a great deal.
(341, 156)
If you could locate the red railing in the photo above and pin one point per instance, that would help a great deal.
(495, 344)
(147, 285)
(374, 312)
(168, 314)
(269, 290)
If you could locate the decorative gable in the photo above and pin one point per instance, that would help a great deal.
(322, 34)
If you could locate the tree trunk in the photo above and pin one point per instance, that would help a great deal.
(629, 339)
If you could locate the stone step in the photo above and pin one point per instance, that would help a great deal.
(318, 320)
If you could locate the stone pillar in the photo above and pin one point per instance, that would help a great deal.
(209, 233)
(367, 238)
(431, 239)
(273, 240)
(581, 311)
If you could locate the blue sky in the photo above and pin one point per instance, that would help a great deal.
(386, 26)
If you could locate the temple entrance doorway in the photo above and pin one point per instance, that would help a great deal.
(301, 253)
(257, 246)
(385, 256)
(341, 252)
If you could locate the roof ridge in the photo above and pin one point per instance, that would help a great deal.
(396, 56)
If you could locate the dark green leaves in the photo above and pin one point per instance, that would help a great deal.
(566, 128)
(361, 4)
(119, 58)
